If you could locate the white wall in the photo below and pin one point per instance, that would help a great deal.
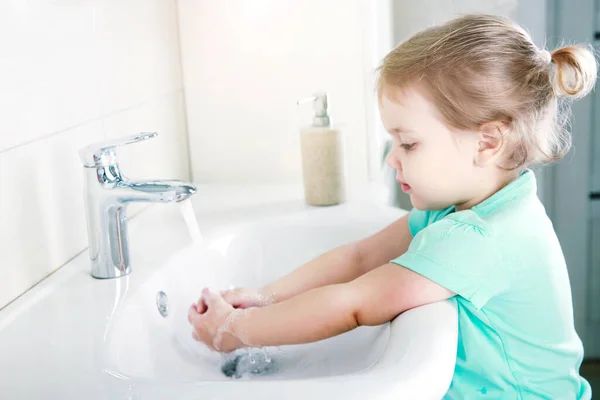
(74, 72)
(246, 63)
(411, 17)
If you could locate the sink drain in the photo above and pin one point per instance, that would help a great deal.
(162, 303)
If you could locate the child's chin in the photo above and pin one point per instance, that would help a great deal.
(421, 204)
(418, 203)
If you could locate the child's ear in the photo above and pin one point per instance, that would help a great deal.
(490, 143)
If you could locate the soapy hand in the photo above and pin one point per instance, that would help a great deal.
(246, 297)
(241, 297)
(210, 318)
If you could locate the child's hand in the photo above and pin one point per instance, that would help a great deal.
(210, 322)
(247, 297)
(239, 298)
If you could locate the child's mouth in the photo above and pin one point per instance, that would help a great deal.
(405, 186)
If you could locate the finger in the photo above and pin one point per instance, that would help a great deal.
(230, 297)
(237, 299)
(201, 306)
(194, 317)
(213, 299)
(201, 333)
(191, 311)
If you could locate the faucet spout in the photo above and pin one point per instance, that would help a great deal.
(155, 191)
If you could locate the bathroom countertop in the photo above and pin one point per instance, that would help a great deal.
(223, 204)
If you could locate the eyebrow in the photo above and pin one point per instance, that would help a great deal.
(401, 130)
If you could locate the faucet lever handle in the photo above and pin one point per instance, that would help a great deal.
(104, 153)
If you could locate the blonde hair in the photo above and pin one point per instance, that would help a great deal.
(482, 68)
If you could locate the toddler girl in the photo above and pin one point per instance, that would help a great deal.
(470, 105)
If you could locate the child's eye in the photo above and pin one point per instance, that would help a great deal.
(407, 146)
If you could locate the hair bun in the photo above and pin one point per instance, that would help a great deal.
(576, 71)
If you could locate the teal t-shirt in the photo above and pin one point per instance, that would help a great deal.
(516, 337)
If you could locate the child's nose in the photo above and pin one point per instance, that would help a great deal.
(393, 161)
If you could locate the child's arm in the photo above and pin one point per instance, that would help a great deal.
(339, 265)
(373, 299)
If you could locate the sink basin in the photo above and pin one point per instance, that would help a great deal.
(164, 348)
(109, 339)
(403, 357)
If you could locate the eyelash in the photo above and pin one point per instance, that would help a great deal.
(407, 146)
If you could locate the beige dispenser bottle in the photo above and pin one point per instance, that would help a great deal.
(322, 157)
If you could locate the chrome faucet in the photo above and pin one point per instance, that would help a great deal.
(107, 193)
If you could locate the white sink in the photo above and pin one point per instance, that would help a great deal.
(164, 348)
(112, 341)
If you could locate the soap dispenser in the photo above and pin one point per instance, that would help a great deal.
(322, 157)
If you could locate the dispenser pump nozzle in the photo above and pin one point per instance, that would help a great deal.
(321, 117)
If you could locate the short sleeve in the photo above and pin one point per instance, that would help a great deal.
(459, 254)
